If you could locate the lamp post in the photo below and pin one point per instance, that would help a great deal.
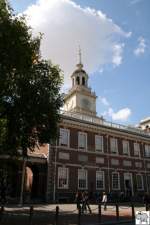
(55, 167)
(108, 164)
(144, 155)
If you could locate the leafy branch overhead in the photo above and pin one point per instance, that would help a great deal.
(30, 96)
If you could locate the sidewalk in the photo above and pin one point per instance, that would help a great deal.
(68, 215)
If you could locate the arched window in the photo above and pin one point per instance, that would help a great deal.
(78, 80)
(83, 80)
(73, 82)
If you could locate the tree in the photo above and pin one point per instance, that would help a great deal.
(30, 96)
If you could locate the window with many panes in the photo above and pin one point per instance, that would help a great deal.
(139, 181)
(136, 149)
(82, 179)
(115, 181)
(82, 140)
(126, 150)
(63, 177)
(99, 143)
(64, 137)
(99, 180)
(147, 150)
(114, 145)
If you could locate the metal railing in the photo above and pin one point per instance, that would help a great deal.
(55, 214)
(101, 121)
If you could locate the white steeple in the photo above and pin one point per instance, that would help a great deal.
(80, 98)
(79, 76)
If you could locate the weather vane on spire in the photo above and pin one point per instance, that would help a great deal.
(80, 61)
(80, 65)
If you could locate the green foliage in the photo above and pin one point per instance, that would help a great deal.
(29, 87)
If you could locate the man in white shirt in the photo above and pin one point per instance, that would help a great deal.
(104, 200)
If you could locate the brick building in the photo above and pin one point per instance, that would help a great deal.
(93, 154)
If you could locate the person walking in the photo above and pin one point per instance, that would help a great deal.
(87, 202)
(104, 200)
(83, 202)
(3, 189)
(78, 200)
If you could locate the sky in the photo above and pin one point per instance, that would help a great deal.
(114, 36)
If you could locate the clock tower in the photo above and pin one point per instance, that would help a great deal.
(80, 98)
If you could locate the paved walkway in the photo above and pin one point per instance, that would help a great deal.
(68, 215)
(71, 208)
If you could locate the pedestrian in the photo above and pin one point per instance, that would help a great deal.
(3, 191)
(97, 197)
(121, 197)
(146, 199)
(104, 200)
(84, 202)
(87, 202)
(78, 200)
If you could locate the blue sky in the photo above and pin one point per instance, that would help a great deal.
(118, 67)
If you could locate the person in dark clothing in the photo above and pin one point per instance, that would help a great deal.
(83, 202)
(3, 189)
(78, 199)
(146, 199)
(121, 197)
(87, 202)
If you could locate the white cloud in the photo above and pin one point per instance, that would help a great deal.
(141, 47)
(117, 54)
(104, 100)
(133, 2)
(65, 25)
(120, 115)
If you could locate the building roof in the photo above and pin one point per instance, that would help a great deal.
(40, 152)
(145, 120)
(98, 121)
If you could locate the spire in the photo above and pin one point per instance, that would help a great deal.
(80, 56)
(80, 65)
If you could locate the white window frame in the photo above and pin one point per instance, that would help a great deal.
(79, 144)
(85, 175)
(100, 147)
(100, 173)
(114, 188)
(142, 188)
(137, 150)
(147, 150)
(61, 141)
(126, 147)
(114, 145)
(60, 174)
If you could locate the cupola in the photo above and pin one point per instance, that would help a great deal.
(79, 76)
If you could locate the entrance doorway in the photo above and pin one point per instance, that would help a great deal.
(32, 183)
(128, 184)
